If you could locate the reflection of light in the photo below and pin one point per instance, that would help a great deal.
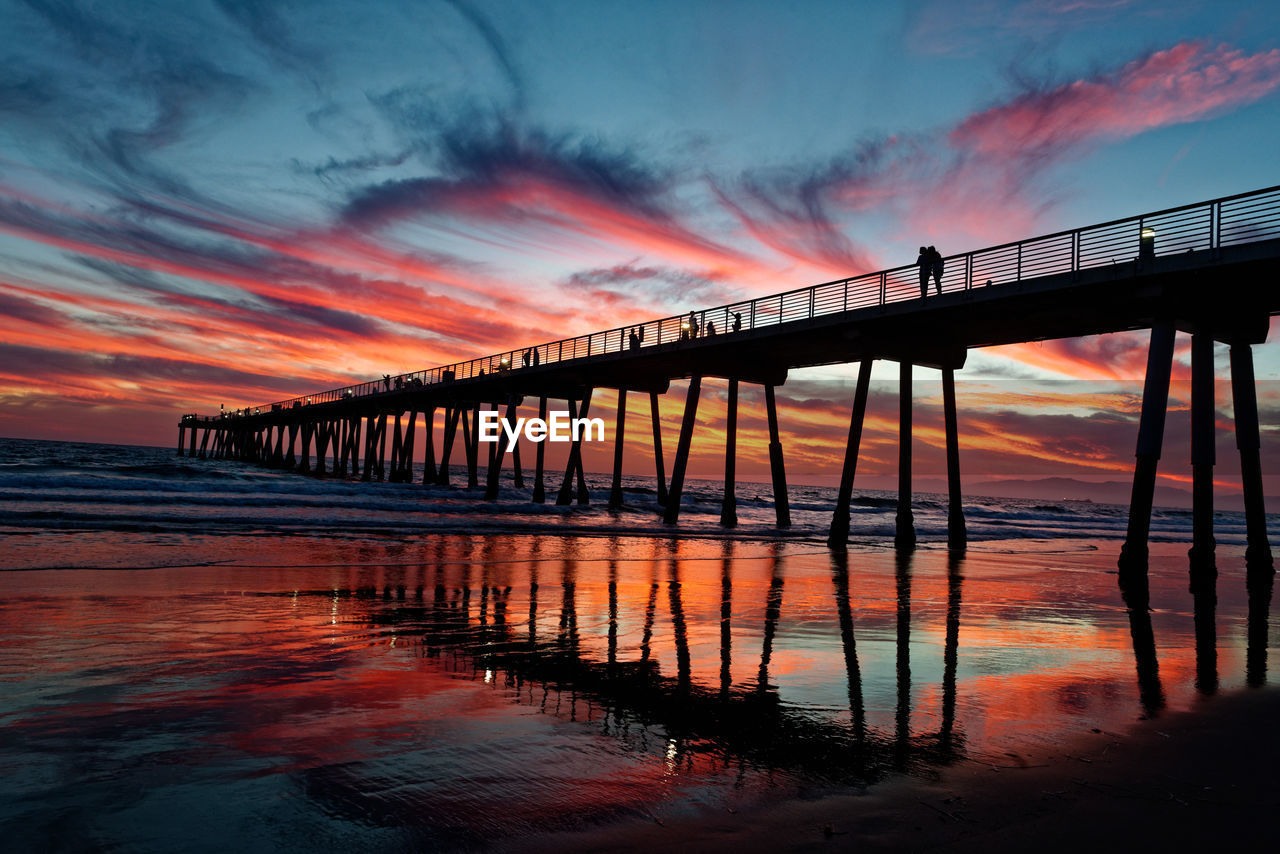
(488, 677)
(333, 612)
(506, 361)
(673, 753)
(1148, 233)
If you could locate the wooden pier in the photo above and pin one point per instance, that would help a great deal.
(1207, 269)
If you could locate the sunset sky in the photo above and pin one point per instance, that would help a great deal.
(236, 201)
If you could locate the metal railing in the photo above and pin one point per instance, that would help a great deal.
(1228, 221)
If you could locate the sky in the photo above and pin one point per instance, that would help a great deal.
(234, 202)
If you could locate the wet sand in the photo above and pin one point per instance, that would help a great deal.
(1203, 778)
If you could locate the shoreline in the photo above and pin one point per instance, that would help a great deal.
(1191, 778)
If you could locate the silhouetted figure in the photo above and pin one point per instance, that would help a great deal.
(925, 262)
(633, 340)
(399, 383)
(737, 321)
(711, 327)
(386, 378)
(640, 334)
(693, 325)
(535, 358)
(937, 268)
(525, 358)
(481, 373)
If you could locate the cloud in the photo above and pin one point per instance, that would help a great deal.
(1187, 82)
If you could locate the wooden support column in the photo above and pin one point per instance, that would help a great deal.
(204, 443)
(499, 452)
(451, 416)
(381, 446)
(1245, 403)
(429, 441)
(370, 455)
(781, 505)
(277, 456)
(615, 492)
(1155, 401)
(290, 458)
(574, 466)
(659, 463)
(192, 451)
(472, 436)
(182, 437)
(539, 489)
(406, 447)
(682, 449)
(397, 443)
(517, 471)
(322, 447)
(839, 534)
(729, 505)
(1203, 458)
(957, 536)
(308, 432)
(356, 424)
(905, 537)
(584, 495)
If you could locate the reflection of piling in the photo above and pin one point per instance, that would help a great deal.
(853, 672)
(902, 712)
(1205, 597)
(839, 534)
(1136, 597)
(1255, 667)
(729, 505)
(950, 650)
(1155, 401)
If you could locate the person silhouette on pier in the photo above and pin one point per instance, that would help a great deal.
(737, 321)
(693, 325)
(925, 262)
(536, 360)
(711, 328)
(386, 378)
(633, 340)
(525, 358)
(936, 267)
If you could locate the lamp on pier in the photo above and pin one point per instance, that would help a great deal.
(1147, 244)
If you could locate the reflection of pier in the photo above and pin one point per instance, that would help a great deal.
(745, 721)
(1194, 268)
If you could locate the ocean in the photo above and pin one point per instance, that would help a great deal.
(202, 655)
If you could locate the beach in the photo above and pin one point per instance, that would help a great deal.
(198, 655)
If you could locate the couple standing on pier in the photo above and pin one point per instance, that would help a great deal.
(929, 261)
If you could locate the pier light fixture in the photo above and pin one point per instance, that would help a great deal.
(1147, 244)
(1148, 233)
(505, 363)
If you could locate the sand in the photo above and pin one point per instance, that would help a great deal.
(1205, 779)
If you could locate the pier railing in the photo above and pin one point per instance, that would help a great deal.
(1203, 226)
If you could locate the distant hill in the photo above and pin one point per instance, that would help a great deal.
(1105, 492)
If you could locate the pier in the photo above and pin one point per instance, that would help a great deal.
(1206, 269)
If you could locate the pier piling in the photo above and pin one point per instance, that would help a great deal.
(1245, 405)
(1155, 402)
(839, 534)
(729, 506)
(672, 512)
(905, 535)
(777, 468)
